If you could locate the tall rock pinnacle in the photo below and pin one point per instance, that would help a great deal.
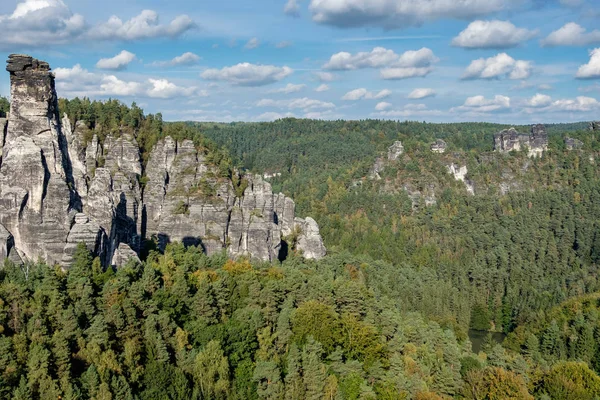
(58, 189)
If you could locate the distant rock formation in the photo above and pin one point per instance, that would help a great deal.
(573, 144)
(439, 146)
(511, 140)
(395, 151)
(56, 191)
(595, 126)
(460, 174)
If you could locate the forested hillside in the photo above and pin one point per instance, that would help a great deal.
(414, 262)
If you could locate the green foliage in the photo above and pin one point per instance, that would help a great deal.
(4, 106)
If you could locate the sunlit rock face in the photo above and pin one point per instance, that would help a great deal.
(510, 140)
(59, 188)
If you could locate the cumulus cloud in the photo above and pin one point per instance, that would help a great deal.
(539, 100)
(292, 8)
(412, 63)
(363, 93)
(578, 104)
(382, 106)
(50, 22)
(146, 25)
(500, 66)
(118, 62)
(246, 74)
(545, 86)
(399, 13)
(492, 35)
(40, 22)
(590, 70)
(273, 116)
(252, 44)
(322, 88)
(479, 104)
(78, 81)
(421, 93)
(289, 88)
(572, 34)
(186, 59)
(324, 76)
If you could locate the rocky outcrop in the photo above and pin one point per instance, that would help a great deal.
(511, 140)
(60, 186)
(38, 201)
(439, 146)
(573, 144)
(3, 127)
(395, 151)
(460, 174)
(595, 126)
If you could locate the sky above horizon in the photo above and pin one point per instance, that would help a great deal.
(506, 61)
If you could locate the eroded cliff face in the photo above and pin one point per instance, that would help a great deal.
(58, 189)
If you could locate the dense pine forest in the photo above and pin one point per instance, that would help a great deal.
(414, 262)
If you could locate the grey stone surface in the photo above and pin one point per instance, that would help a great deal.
(59, 188)
(573, 144)
(395, 151)
(439, 146)
(511, 140)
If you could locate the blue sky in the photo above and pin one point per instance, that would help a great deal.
(509, 61)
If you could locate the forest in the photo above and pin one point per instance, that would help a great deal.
(385, 315)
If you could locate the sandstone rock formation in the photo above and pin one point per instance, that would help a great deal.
(511, 140)
(573, 144)
(58, 188)
(439, 146)
(395, 151)
(595, 126)
(460, 174)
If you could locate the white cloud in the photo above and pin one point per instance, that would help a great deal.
(363, 93)
(399, 13)
(572, 34)
(381, 57)
(246, 74)
(545, 86)
(324, 76)
(382, 106)
(272, 116)
(539, 100)
(51, 22)
(289, 88)
(252, 44)
(163, 89)
(479, 104)
(303, 103)
(579, 104)
(421, 93)
(412, 63)
(499, 66)
(118, 62)
(146, 25)
(185, 59)
(492, 35)
(322, 88)
(309, 104)
(591, 69)
(78, 81)
(40, 22)
(283, 44)
(292, 8)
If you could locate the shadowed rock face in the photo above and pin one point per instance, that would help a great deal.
(56, 190)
